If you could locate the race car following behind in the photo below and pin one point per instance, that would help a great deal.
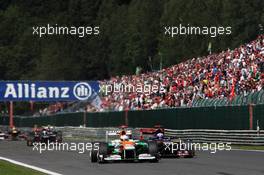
(168, 146)
(3, 135)
(44, 135)
(124, 148)
(13, 133)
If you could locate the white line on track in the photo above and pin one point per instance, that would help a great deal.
(29, 166)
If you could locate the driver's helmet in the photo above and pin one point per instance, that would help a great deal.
(124, 138)
(48, 128)
(160, 135)
(123, 132)
(44, 132)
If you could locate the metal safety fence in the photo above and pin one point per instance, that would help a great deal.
(236, 137)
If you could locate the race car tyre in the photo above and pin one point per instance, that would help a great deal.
(59, 137)
(103, 150)
(29, 143)
(94, 155)
(192, 150)
(153, 150)
(14, 137)
(192, 154)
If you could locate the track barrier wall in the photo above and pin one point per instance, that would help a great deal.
(236, 137)
(251, 98)
(223, 118)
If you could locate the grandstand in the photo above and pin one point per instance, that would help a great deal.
(224, 78)
(232, 77)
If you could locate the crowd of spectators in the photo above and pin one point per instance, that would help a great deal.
(221, 75)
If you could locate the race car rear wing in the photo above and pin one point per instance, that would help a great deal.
(150, 131)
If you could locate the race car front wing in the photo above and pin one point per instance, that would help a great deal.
(118, 157)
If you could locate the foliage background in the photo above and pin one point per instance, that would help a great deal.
(131, 35)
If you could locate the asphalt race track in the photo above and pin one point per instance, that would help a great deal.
(72, 163)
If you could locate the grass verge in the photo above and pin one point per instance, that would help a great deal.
(247, 147)
(7, 168)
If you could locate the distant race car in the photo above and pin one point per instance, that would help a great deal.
(3, 135)
(124, 148)
(168, 146)
(44, 135)
(12, 134)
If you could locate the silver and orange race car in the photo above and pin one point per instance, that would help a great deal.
(125, 148)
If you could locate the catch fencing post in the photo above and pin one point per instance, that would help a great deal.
(126, 116)
(251, 116)
(11, 115)
(84, 118)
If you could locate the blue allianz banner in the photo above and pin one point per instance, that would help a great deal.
(48, 90)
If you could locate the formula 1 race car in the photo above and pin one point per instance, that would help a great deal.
(44, 135)
(124, 148)
(168, 146)
(3, 135)
(12, 134)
